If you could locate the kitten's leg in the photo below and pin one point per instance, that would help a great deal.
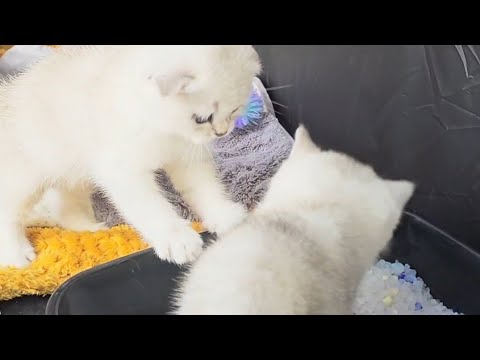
(77, 211)
(15, 249)
(138, 197)
(200, 186)
(68, 208)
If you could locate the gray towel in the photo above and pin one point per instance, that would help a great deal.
(246, 160)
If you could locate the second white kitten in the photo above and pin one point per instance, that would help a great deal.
(306, 247)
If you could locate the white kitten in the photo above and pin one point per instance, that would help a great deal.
(109, 116)
(304, 250)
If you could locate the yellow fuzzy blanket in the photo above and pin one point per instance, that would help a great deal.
(62, 254)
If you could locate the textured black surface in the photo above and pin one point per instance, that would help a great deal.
(28, 305)
(412, 111)
(139, 284)
(449, 269)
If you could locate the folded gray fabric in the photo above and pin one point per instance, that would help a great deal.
(246, 160)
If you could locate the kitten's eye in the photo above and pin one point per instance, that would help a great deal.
(202, 120)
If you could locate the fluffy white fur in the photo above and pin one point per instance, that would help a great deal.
(109, 116)
(304, 250)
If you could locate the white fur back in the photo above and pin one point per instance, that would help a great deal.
(306, 247)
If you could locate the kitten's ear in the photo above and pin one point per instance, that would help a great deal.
(174, 83)
(401, 191)
(303, 142)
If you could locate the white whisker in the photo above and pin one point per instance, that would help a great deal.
(279, 87)
(279, 104)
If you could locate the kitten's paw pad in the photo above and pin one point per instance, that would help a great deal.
(180, 246)
(225, 219)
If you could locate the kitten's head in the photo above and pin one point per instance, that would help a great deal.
(200, 90)
(312, 179)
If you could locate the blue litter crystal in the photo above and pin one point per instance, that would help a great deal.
(418, 306)
(410, 278)
(382, 264)
(409, 275)
(410, 272)
(397, 268)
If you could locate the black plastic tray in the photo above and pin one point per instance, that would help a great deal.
(137, 284)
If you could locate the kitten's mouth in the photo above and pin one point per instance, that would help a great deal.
(220, 135)
(223, 133)
(203, 139)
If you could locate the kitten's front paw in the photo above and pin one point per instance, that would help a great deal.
(28, 250)
(225, 218)
(179, 245)
(19, 257)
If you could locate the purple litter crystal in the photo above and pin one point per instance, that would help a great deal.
(418, 306)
